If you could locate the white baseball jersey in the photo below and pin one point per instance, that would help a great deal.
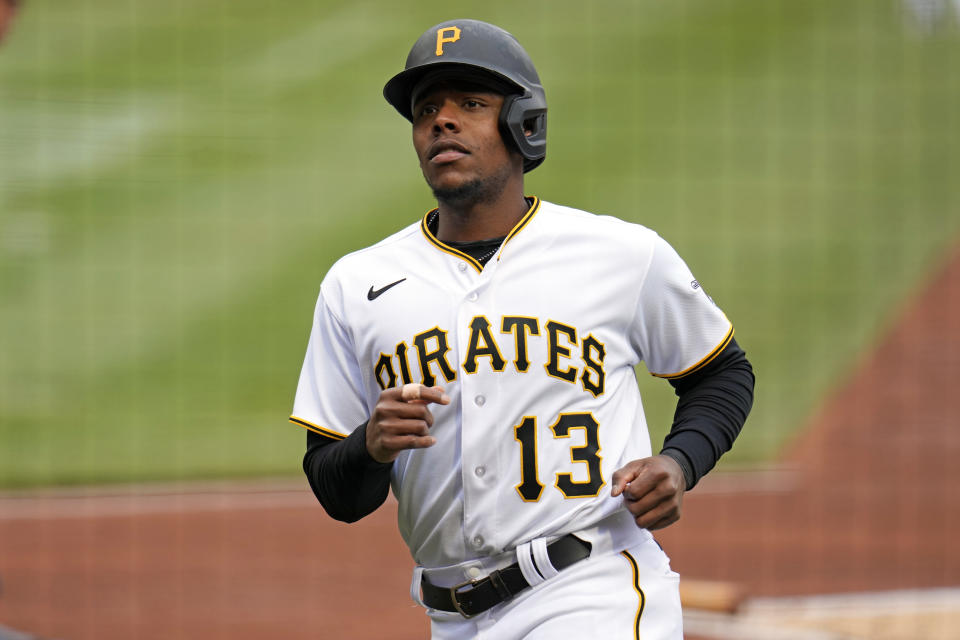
(536, 351)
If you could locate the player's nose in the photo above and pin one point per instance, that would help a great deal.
(447, 117)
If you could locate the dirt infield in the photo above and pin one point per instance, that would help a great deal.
(202, 565)
(868, 501)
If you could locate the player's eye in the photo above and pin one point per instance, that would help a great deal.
(426, 110)
(472, 104)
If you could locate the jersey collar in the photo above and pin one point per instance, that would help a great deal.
(532, 211)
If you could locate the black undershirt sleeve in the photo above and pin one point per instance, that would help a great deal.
(345, 479)
(713, 404)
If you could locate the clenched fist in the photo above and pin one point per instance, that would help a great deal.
(652, 489)
(401, 420)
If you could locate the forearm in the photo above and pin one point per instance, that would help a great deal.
(711, 411)
(344, 478)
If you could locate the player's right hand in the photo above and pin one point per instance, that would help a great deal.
(401, 420)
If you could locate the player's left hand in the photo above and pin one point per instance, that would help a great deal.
(652, 489)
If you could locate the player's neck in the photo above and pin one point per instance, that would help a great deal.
(481, 220)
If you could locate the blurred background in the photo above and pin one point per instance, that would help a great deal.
(176, 178)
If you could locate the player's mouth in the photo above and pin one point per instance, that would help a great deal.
(446, 151)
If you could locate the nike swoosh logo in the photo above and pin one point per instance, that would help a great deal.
(373, 295)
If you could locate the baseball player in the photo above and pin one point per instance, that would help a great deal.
(481, 362)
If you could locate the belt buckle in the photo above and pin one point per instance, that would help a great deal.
(455, 591)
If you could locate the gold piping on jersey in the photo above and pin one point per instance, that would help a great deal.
(636, 587)
(532, 211)
(316, 429)
(704, 362)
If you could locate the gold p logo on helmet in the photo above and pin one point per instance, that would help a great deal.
(442, 37)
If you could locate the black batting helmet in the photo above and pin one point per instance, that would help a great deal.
(480, 52)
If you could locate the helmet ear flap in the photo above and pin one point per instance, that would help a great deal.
(523, 125)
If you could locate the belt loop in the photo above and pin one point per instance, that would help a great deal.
(527, 567)
(415, 586)
(544, 566)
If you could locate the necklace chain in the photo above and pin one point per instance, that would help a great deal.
(487, 256)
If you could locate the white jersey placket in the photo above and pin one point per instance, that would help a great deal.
(480, 397)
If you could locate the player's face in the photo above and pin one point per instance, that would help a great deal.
(457, 139)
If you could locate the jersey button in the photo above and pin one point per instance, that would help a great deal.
(477, 541)
(462, 266)
(474, 572)
(480, 471)
(472, 296)
(480, 401)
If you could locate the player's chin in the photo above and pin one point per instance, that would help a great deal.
(451, 185)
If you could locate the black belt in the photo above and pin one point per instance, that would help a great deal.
(476, 596)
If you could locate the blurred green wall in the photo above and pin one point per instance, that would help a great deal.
(176, 177)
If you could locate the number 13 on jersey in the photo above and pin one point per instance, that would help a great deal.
(530, 488)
